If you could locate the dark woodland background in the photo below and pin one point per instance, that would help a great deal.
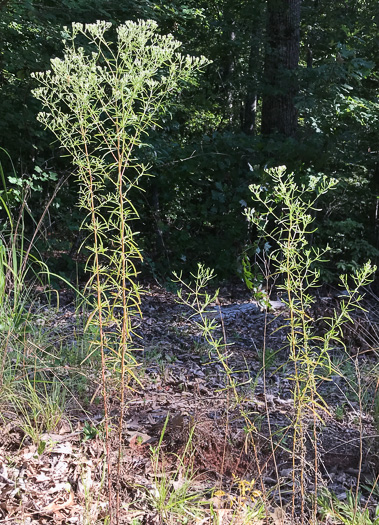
(290, 82)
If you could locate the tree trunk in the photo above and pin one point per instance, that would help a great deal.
(251, 99)
(228, 76)
(279, 113)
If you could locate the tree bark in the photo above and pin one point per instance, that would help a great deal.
(279, 113)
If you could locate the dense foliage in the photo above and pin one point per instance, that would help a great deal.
(210, 148)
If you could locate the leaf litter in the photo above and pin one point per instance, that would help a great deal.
(61, 479)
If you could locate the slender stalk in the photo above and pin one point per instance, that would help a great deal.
(100, 317)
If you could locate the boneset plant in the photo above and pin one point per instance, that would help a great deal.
(200, 303)
(100, 102)
(285, 218)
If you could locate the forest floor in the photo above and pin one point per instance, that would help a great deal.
(193, 450)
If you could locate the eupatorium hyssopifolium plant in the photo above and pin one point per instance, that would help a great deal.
(99, 101)
(285, 217)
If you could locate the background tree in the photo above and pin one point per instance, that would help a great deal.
(281, 60)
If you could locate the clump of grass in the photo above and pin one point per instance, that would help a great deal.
(173, 496)
(38, 407)
(350, 511)
(20, 269)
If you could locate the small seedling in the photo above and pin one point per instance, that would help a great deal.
(41, 447)
(90, 431)
(267, 357)
(339, 412)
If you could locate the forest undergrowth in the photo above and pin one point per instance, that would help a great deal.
(194, 450)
